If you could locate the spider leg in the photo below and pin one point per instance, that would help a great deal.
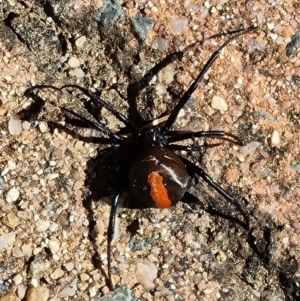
(94, 140)
(192, 148)
(110, 235)
(228, 197)
(134, 89)
(186, 96)
(106, 105)
(201, 134)
(97, 126)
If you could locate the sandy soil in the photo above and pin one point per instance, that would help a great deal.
(55, 184)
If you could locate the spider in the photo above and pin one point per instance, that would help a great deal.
(157, 175)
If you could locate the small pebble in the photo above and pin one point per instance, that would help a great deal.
(2, 182)
(15, 125)
(18, 279)
(40, 293)
(11, 165)
(69, 266)
(84, 277)
(8, 78)
(208, 290)
(69, 290)
(12, 195)
(250, 148)
(17, 252)
(73, 62)
(166, 75)
(26, 125)
(5, 171)
(54, 246)
(80, 41)
(77, 72)
(179, 25)
(219, 103)
(141, 26)
(57, 273)
(160, 44)
(7, 240)
(11, 220)
(146, 272)
(275, 138)
(42, 225)
(9, 297)
(291, 47)
(21, 291)
(34, 282)
(43, 127)
(222, 256)
(109, 14)
(36, 268)
(93, 291)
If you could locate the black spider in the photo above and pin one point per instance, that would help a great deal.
(157, 176)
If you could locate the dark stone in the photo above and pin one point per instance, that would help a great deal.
(141, 26)
(110, 13)
(291, 47)
(122, 293)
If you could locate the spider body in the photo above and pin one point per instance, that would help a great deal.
(157, 175)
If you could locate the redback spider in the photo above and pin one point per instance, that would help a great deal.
(157, 175)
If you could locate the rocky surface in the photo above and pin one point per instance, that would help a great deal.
(54, 188)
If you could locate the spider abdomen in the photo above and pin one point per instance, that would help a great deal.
(158, 177)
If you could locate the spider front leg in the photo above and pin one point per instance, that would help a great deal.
(186, 96)
(191, 167)
(111, 235)
(175, 136)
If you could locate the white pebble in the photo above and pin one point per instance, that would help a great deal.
(4, 171)
(42, 225)
(8, 78)
(54, 246)
(12, 195)
(43, 127)
(160, 44)
(84, 277)
(250, 148)
(80, 41)
(7, 240)
(166, 75)
(18, 279)
(146, 272)
(11, 165)
(57, 273)
(21, 291)
(34, 282)
(179, 25)
(275, 138)
(15, 125)
(73, 62)
(69, 290)
(77, 72)
(160, 89)
(26, 125)
(69, 266)
(53, 176)
(274, 36)
(219, 103)
(93, 291)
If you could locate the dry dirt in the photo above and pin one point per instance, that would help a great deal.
(55, 184)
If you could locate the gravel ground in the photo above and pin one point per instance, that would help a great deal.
(55, 182)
